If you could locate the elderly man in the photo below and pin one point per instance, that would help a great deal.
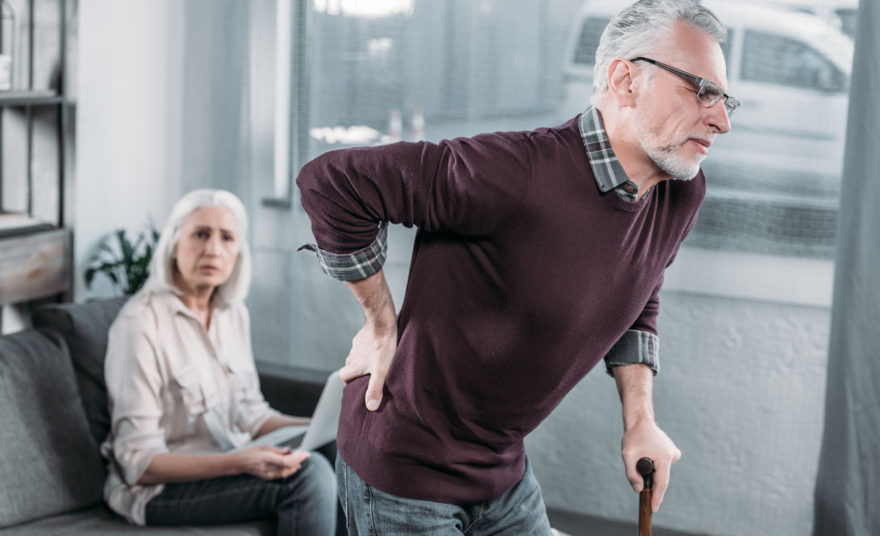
(538, 254)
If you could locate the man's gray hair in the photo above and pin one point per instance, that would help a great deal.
(640, 30)
(162, 267)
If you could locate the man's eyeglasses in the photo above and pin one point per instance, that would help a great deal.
(708, 93)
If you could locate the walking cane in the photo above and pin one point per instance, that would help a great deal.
(645, 467)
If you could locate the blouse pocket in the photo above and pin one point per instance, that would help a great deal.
(243, 378)
(197, 397)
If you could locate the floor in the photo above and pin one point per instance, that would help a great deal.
(581, 525)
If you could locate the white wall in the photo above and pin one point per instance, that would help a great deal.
(741, 391)
(129, 124)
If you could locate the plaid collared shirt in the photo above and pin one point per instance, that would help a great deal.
(357, 265)
(607, 171)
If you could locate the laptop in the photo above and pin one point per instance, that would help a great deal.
(320, 431)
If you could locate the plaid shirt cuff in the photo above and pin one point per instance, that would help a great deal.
(357, 265)
(632, 348)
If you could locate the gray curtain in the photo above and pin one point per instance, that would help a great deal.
(848, 483)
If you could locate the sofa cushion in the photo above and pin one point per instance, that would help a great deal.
(84, 327)
(100, 521)
(49, 463)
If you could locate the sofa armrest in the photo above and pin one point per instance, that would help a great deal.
(290, 389)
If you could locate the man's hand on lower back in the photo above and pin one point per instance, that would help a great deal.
(372, 351)
(373, 348)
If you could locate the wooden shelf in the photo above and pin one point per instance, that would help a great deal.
(29, 98)
(36, 254)
(35, 265)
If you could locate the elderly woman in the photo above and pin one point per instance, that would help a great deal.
(184, 393)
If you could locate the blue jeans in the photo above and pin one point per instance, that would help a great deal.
(304, 503)
(519, 511)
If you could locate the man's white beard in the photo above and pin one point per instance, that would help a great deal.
(667, 157)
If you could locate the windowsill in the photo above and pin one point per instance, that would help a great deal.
(29, 97)
(16, 224)
(279, 203)
(752, 276)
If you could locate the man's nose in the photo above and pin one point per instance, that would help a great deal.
(717, 117)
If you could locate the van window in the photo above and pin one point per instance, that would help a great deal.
(779, 60)
(588, 40)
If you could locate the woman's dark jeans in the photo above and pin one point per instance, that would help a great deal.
(303, 503)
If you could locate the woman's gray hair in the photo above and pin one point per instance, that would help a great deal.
(162, 266)
(640, 29)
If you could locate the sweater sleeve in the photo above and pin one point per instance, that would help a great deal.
(640, 343)
(465, 186)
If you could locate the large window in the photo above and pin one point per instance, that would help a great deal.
(417, 69)
(412, 69)
(351, 73)
(793, 63)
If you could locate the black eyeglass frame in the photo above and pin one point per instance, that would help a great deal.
(730, 103)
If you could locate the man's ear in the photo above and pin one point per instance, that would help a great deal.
(620, 82)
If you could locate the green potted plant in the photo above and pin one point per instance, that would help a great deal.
(123, 261)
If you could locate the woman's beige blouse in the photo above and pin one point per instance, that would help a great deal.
(174, 386)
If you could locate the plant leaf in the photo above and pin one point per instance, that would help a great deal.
(124, 261)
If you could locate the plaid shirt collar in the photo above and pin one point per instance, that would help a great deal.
(607, 171)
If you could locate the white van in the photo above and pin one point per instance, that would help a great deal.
(789, 69)
(840, 13)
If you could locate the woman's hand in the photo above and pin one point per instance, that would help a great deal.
(269, 463)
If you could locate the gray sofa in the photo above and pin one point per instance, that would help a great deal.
(53, 416)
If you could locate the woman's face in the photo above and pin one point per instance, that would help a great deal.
(207, 249)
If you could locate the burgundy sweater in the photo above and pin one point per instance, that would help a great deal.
(523, 276)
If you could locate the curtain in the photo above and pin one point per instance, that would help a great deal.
(848, 482)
